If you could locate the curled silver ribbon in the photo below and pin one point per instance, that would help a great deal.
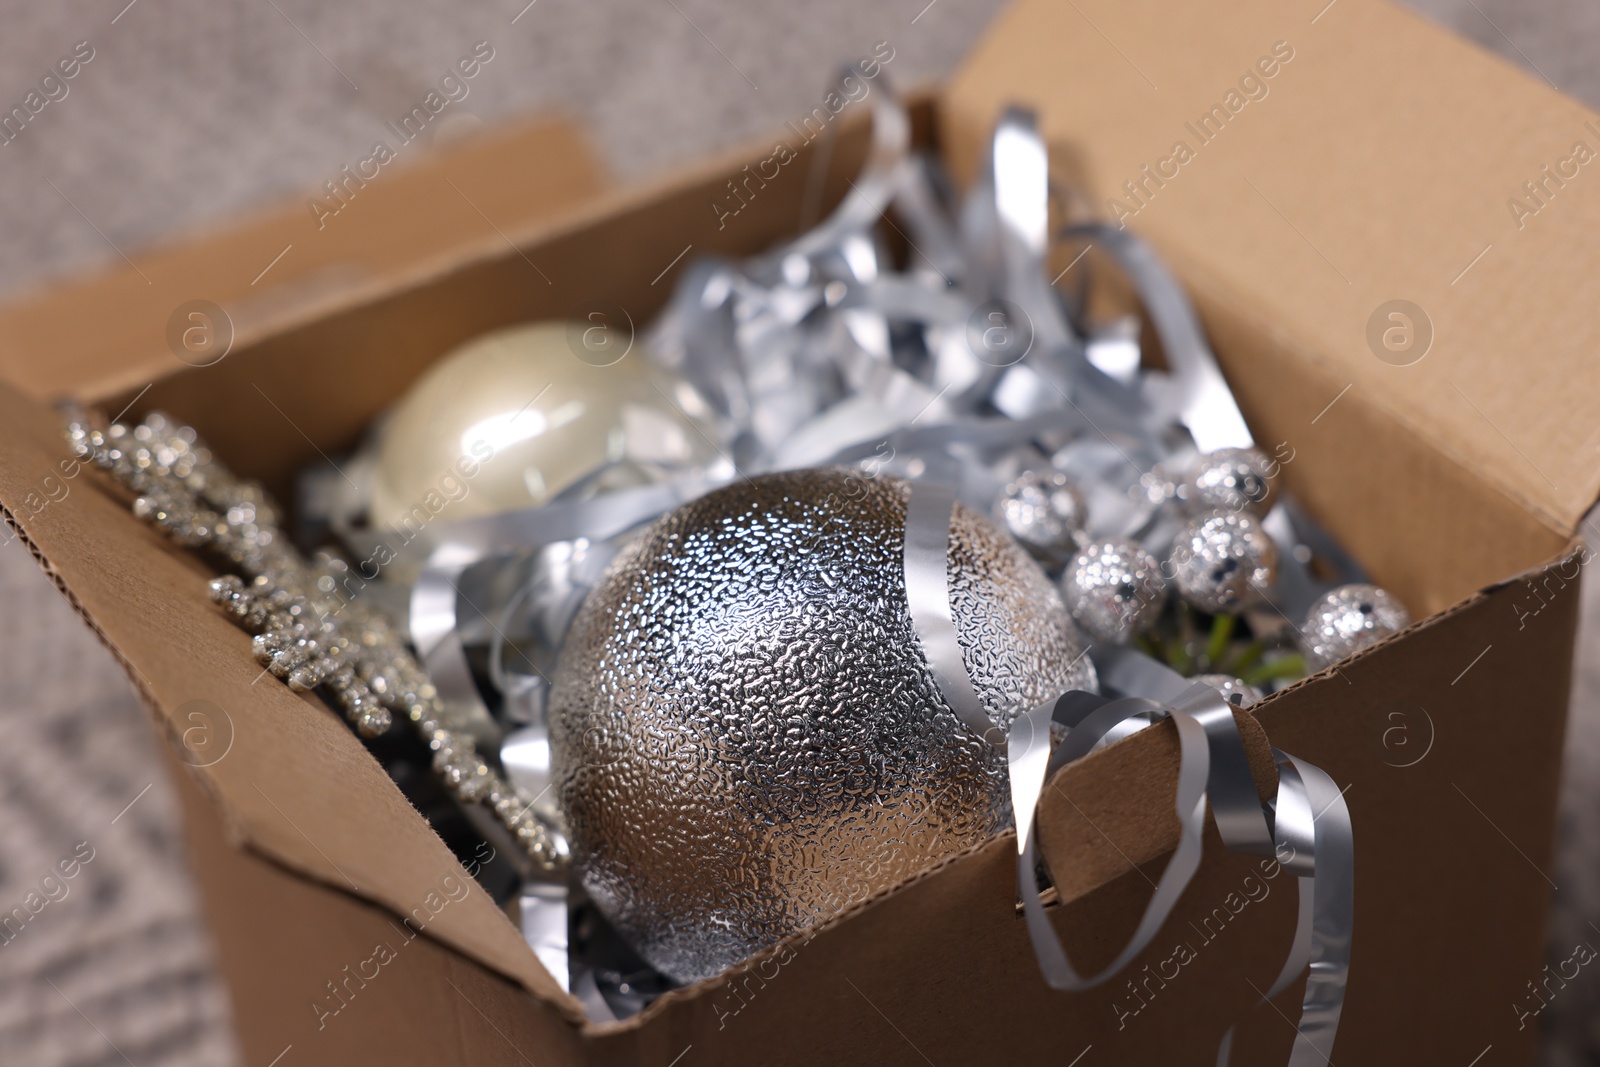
(1308, 828)
(1310, 833)
(1194, 770)
(927, 549)
(1197, 394)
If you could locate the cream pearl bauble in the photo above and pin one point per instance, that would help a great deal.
(510, 419)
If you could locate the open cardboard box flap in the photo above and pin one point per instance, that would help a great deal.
(294, 786)
(287, 267)
(1338, 191)
(298, 788)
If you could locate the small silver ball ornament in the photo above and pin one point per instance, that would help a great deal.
(1114, 589)
(1348, 619)
(1229, 480)
(1042, 509)
(1236, 691)
(780, 747)
(1224, 562)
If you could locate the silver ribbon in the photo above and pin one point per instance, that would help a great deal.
(1193, 770)
(1310, 834)
(435, 599)
(927, 552)
(434, 619)
(1308, 830)
(1196, 394)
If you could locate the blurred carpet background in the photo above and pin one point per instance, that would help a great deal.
(192, 112)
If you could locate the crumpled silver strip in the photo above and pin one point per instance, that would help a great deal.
(1015, 188)
(433, 616)
(1231, 789)
(1311, 836)
(981, 433)
(596, 518)
(875, 187)
(543, 911)
(1297, 587)
(1332, 889)
(1311, 824)
(928, 518)
(1020, 165)
(433, 624)
(1196, 393)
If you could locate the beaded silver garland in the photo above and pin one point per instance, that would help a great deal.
(1114, 589)
(309, 631)
(1042, 509)
(1232, 480)
(1348, 619)
(1224, 562)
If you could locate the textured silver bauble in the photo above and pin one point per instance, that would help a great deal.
(1114, 589)
(1236, 691)
(1223, 562)
(1348, 619)
(777, 746)
(1043, 509)
(1231, 480)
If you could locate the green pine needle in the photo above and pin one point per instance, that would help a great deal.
(1291, 666)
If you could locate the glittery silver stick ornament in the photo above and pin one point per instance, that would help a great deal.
(1222, 563)
(1114, 589)
(1042, 509)
(1348, 619)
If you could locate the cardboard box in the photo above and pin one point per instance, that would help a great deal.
(1376, 165)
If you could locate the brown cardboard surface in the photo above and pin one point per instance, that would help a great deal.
(1426, 526)
(478, 196)
(1379, 166)
(1450, 847)
(282, 939)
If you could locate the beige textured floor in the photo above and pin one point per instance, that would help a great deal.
(191, 112)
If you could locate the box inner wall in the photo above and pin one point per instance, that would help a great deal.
(1423, 525)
